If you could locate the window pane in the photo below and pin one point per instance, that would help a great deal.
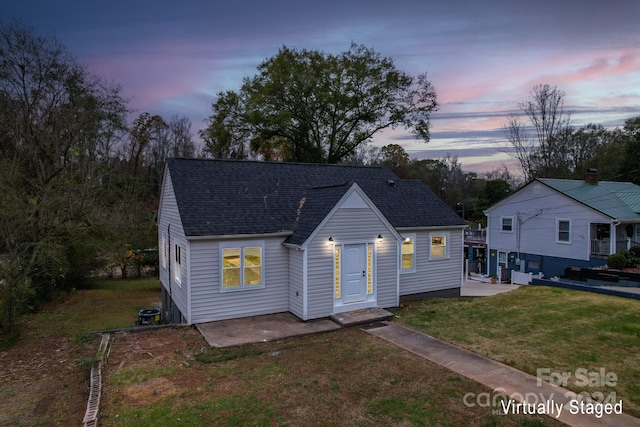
(437, 251)
(231, 257)
(253, 276)
(407, 260)
(507, 224)
(231, 277)
(407, 253)
(252, 257)
(563, 231)
(230, 267)
(438, 246)
(407, 246)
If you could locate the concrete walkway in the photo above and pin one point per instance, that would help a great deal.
(516, 385)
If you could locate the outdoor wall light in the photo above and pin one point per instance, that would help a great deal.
(330, 239)
(379, 237)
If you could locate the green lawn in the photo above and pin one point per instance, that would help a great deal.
(348, 377)
(558, 330)
(99, 305)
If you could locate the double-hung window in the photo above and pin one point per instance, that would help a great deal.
(177, 265)
(408, 256)
(563, 231)
(242, 266)
(506, 224)
(164, 251)
(439, 245)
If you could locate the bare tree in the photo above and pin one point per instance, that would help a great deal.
(542, 147)
(182, 144)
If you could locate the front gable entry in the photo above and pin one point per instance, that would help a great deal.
(355, 201)
(351, 260)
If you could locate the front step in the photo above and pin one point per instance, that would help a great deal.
(357, 317)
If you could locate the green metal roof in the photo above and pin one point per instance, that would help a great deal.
(618, 200)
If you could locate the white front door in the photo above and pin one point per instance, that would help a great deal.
(354, 273)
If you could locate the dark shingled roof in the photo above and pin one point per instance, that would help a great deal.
(231, 197)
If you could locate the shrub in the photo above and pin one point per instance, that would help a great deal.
(632, 260)
(635, 250)
(617, 261)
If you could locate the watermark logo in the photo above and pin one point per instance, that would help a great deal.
(594, 403)
(583, 378)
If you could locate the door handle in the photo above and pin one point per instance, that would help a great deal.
(363, 273)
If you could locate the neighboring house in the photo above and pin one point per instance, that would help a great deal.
(475, 250)
(244, 238)
(551, 224)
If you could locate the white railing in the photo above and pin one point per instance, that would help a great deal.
(520, 278)
(600, 247)
(478, 235)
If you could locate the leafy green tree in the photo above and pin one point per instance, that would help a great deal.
(493, 191)
(395, 158)
(594, 147)
(630, 137)
(228, 131)
(305, 105)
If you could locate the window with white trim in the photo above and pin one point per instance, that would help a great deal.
(408, 256)
(506, 224)
(439, 245)
(164, 248)
(563, 231)
(242, 266)
(177, 269)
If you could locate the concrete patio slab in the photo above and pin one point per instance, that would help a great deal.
(358, 317)
(246, 330)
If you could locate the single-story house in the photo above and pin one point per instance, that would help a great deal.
(551, 224)
(245, 238)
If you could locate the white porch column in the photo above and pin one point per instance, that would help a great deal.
(613, 240)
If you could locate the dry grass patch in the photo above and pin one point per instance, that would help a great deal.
(44, 375)
(346, 377)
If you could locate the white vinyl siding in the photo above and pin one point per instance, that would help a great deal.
(538, 218)
(354, 225)
(296, 282)
(169, 223)
(434, 274)
(209, 303)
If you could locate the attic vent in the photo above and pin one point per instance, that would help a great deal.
(391, 183)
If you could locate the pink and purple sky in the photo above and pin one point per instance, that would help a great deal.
(483, 57)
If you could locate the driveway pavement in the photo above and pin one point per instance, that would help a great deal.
(474, 288)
